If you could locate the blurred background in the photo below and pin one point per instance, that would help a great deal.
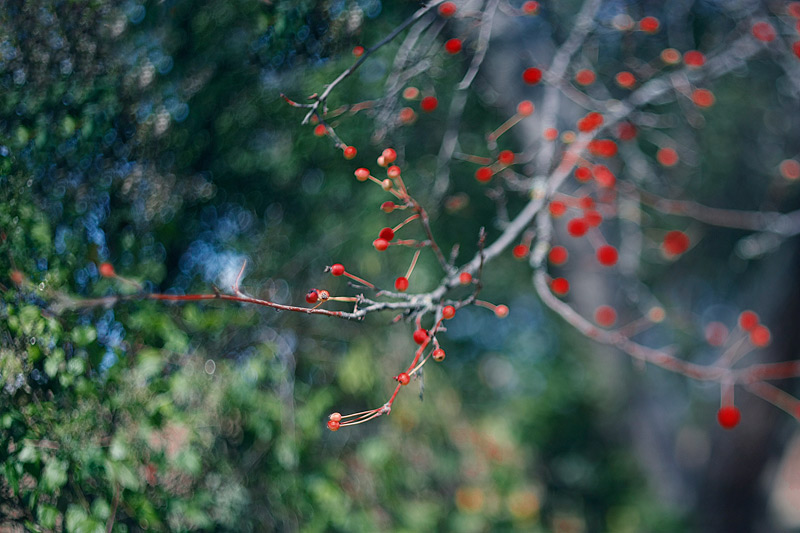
(152, 135)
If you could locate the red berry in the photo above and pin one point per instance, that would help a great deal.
(506, 157)
(626, 131)
(335, 416)
(603, 148)
(407, 115)
(420, 336)
(448, 312)
(324, 295)
(386, 233)
(530, 7)
(350, 152)
(558, 255)
(763, 31)
(465, 278)
(362, 174)
(525, 108)
(586, 202)
(577, 227)
(380, 244)
(483, 174)
(604, 177)
(670, 56)
(584, 77)
(312, 296)
(447, 9)
(728, 416)
(583, 174)
(557, 208)
(748, 320)
(388, 207)
(107, 270)
(790, 169)
(559, 286)
(520, 251)
(403, 378)
(593, 218)
(793, 9)
(703, 98)
(333, 425)
(625, 79)
(532, 76)
(17, 277)
(716, 333)
(337, 269)
(393, 171)
(760, 336)
(675, 243)
(605, 316)
(358, 51)
(668, 157)
(401, 284)
(429, 103)
(649, 24)
(389, 156)
(453, 46)
(550, 134)
(320, 130)
(694, 59)
(590, 122)
(501, 311)
(438, 355)
(607, 255)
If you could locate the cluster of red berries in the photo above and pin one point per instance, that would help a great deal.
(603, 148)
(385, 236)
(316, 295)
(759, 333)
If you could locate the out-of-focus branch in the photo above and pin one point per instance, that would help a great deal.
(584, 23)
(637, 351)
(783, 224)
(459, 100)
(752, 377)
(320, 100)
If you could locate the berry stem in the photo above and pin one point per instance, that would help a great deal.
(392, 190)
(507, 125)
(473, 158)
(406, 221)
(359, 280)
(735, 352)
(726, 393)
(413, 263)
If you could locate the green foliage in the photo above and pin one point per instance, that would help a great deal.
(154, 137)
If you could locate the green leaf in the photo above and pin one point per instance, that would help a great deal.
(53, 362)
(28, 454)
(55, 474)
(83, 335)
(189, 461)
(46, 515)
(120, 473)
(76, 366)
(29, 316)
(150, 362)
